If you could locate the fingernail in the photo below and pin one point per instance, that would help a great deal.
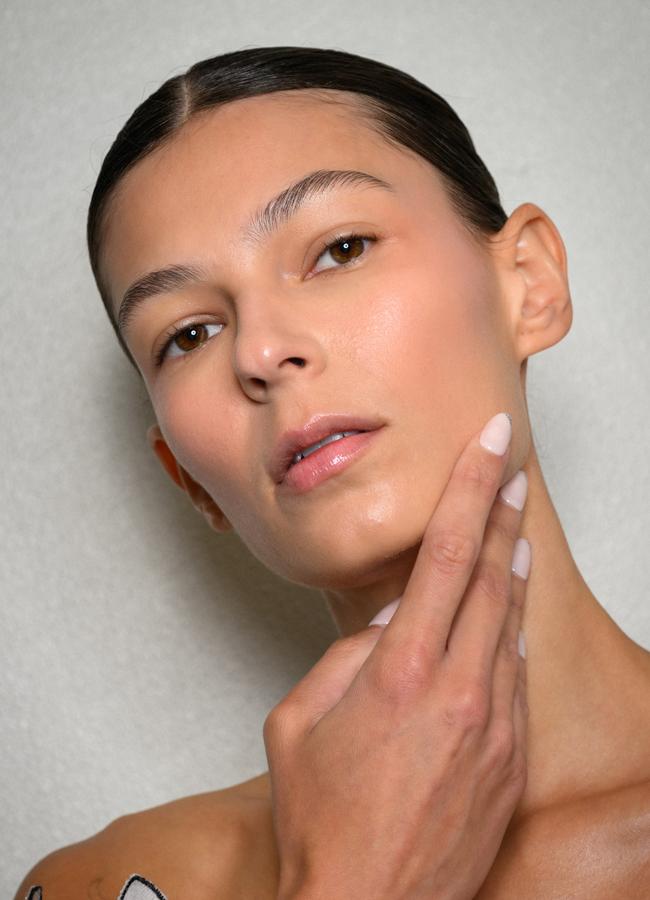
(384, 615)
(514, 491)
(521, 558)
(522, 645)
(496, 435)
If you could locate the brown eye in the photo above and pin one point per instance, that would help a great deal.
(189, 338)
(184, 340)
(345, 250)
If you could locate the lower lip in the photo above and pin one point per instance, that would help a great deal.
(327, 461)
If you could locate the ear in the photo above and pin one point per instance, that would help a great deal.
(532, 265)
(196, 492)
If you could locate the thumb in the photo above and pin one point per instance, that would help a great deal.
(329, 679)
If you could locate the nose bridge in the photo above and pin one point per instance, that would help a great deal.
(272, 341)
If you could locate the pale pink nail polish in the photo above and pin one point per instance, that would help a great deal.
(514, 491)
(521, 645)
(496, 435)
(384, 615)
(521, 558)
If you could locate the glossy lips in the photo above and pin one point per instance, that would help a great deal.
(316, 429)
(328, 460)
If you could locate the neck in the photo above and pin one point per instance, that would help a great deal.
(589, 724)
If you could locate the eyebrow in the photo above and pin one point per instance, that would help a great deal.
(261, 225)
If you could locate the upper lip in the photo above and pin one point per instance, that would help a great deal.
(317, 428)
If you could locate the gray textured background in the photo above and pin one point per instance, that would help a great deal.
(141, 652)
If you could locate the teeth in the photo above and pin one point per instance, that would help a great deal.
(328, 440)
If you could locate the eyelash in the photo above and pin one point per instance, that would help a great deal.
(339, 239)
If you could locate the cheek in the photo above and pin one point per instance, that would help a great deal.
(431, 330)
(207, 437)
(199, 432)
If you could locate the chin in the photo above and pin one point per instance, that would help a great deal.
(340, 563)
(362, 534)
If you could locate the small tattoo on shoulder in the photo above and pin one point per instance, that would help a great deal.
(135, 888)
(138, 888)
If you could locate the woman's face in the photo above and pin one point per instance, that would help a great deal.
(411, 332)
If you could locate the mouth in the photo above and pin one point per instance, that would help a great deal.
(326, 440)
(329, 457)
(320, 431)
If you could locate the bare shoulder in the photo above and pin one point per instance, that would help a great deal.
(599, 843)
(198, 846)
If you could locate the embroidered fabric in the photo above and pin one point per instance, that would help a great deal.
(136, 888)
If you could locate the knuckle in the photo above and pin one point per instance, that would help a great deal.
(518, 772)
(493, 583)
(277, 722)
(403, 676)
(470, 708)
(269, 730)
(502, 746)
(518, 593)
(509, 647)
(451, 551)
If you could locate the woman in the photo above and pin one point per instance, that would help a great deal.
(284, 235)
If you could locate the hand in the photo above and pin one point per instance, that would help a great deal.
(397, 761)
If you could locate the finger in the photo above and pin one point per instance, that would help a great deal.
(508, 664)
(451, 544)
(478, 626)
(329, 679)
(519, 711)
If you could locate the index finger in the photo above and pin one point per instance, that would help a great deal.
(451, 543)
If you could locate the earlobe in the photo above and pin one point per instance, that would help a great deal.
(201, 500)
(531, 252)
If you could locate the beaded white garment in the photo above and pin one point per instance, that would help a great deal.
(136, 888)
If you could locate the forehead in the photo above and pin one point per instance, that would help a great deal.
(225, 162)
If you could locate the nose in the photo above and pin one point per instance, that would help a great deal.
(273, 346)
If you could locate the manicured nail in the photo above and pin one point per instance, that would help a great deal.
(384, 615)
(522, 645)
(521, 558)
(496, 435)
(514, 491)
